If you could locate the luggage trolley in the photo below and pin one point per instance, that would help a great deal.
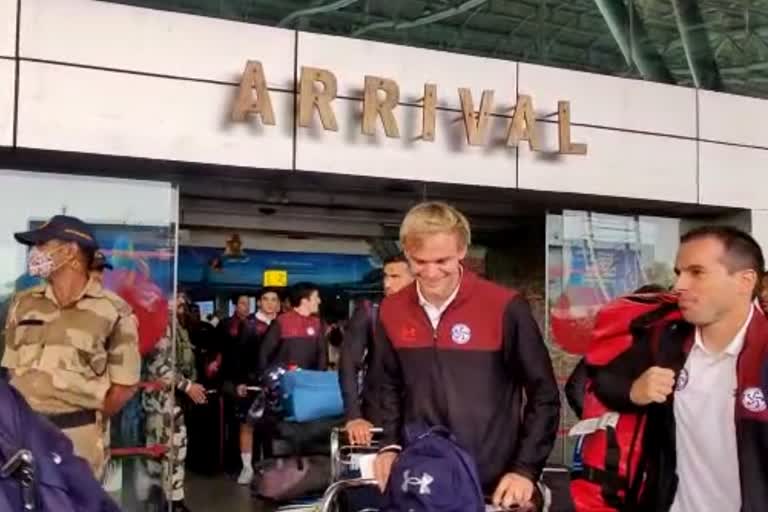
(345, 457)
(346, 476)
(346, 472)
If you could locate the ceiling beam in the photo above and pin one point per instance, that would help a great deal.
(630, 35)
(695, 39)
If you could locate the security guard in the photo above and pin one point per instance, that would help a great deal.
(166, 424)
(72, 347)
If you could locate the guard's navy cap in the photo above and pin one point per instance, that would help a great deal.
(60, 227)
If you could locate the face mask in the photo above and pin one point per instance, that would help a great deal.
(40, 263)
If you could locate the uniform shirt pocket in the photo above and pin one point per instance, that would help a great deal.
(86, 355)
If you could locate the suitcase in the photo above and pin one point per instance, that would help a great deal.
(285, 479)
(309, 438)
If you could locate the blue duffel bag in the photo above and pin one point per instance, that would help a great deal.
(310, 395)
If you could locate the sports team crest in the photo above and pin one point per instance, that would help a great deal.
(461, 334)
(753, 400)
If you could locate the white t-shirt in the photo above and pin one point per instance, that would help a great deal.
(434, 313)
(707, 453)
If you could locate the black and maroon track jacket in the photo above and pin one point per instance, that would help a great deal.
(293, 339)
(355, 356)
(469, 375)
(612, 385)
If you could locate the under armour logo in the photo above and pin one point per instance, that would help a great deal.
(422, 483)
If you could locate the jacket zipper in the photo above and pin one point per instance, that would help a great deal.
(435, 353)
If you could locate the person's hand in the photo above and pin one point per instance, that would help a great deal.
(242, 390)
(197, 393)
(655, 385)
(359, 432)
(513, 489)
(382, 467)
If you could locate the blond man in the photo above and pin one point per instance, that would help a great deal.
(455, 350)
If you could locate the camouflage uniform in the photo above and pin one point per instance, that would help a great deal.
(165, 419)
(64, 360)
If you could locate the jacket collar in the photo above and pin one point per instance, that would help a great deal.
(753, 360)
(468, 282)
(93, 289)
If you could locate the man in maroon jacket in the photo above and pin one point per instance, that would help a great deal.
(356, 350)
(298, 336)
(455, 350)
(268, 306)
(705, 389)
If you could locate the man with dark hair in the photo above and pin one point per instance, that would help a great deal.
(268, 306)
(356, 349)
(298, 336)
(235, 333)
(71, 346)
(702, 382)
(741, 251)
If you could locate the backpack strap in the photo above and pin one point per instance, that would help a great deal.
(610, 487)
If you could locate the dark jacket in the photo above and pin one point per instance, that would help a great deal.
(355, 355)
(469, 375)
(205, 340)
(612, 385)
(293, 339)
(248, 355)
(238, 342)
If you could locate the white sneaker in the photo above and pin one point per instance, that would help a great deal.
(246, 476)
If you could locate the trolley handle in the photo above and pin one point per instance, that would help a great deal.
(329, 500)
(372, 430)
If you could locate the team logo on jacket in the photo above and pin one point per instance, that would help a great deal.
(682, 380)
(408, 333)
(753, 400)
(461, 334)
(310, 331)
